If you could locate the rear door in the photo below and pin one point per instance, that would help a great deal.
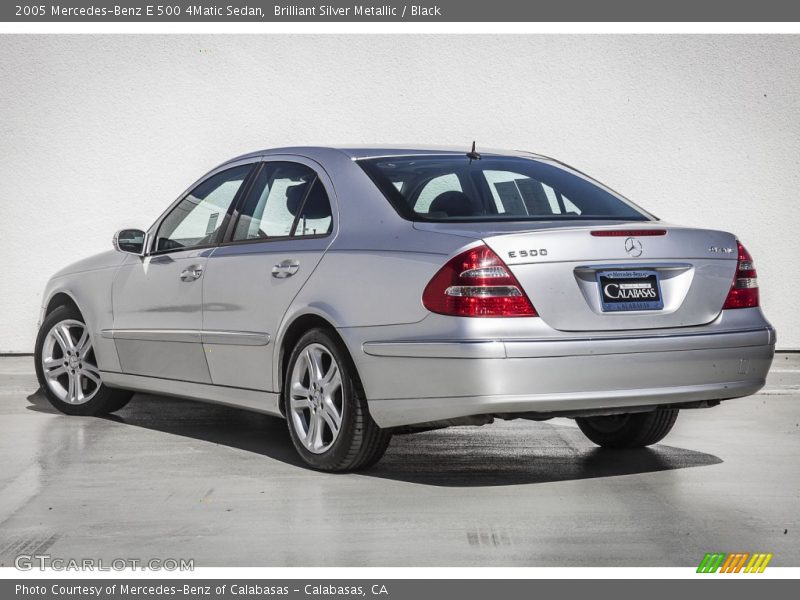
(276, 239)
(157, 299)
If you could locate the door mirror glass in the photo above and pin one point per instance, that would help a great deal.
(129, 240)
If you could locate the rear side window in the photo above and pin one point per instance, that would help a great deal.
(287, 200)
(455, 188)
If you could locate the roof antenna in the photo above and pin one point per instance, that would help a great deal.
(472, 155)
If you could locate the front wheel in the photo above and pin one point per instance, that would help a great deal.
(325, 407)
(66, 367)
(629, 430)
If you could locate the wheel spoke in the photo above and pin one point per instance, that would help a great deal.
(49, 363)
(314, 364)
(79, 386)
(56, 372)
(90, 375)
(332, 419)
(71, 391)
(62, 339)
(84, 344)
(319, 429)
(311, 431)
(330, 408)
(300, 404)
(299, 390)
(65, 332)
(90, 368)
(332, 380)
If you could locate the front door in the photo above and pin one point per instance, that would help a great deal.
(157, 299)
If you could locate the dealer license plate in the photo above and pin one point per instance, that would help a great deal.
(629, 290)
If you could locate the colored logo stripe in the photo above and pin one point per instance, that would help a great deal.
(711, 562)
(734, 562)
(758, 563)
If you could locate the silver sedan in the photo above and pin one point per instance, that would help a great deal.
(364, 292)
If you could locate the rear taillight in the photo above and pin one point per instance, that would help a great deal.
(744, 291)
(476, 283)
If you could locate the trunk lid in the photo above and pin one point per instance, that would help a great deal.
(564, 269)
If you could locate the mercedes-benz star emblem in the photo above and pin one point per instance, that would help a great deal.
(633, 247)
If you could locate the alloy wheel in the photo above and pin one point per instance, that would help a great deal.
(69, 364)
(316, 398)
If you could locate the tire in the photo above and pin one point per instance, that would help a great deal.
(343, 436)
(70, 379)
(630, 430)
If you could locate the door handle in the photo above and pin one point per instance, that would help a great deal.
(285, 268)
(192, 273)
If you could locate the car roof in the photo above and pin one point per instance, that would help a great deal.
(366, 151)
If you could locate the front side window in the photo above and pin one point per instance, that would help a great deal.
(197, 219)
(287, 200)
(493, 188)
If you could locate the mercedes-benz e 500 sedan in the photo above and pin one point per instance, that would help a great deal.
(364, 292)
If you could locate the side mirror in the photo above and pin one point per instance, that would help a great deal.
(130, 241)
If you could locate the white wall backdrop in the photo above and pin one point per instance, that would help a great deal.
(101, 132)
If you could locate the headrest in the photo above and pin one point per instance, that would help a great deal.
(317, 205)
(453, 204)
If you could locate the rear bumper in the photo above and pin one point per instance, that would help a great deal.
(419, 381)
(571, 346)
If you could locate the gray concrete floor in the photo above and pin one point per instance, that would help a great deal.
(172, 478)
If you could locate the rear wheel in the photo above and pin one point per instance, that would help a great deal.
(66, 367)
(325, 407)
(630, 430)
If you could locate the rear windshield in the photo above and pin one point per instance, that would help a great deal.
(455, 188)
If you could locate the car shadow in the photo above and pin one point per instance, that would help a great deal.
(523, 452)
(506, 453)
(228, 426)
(38, 403)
